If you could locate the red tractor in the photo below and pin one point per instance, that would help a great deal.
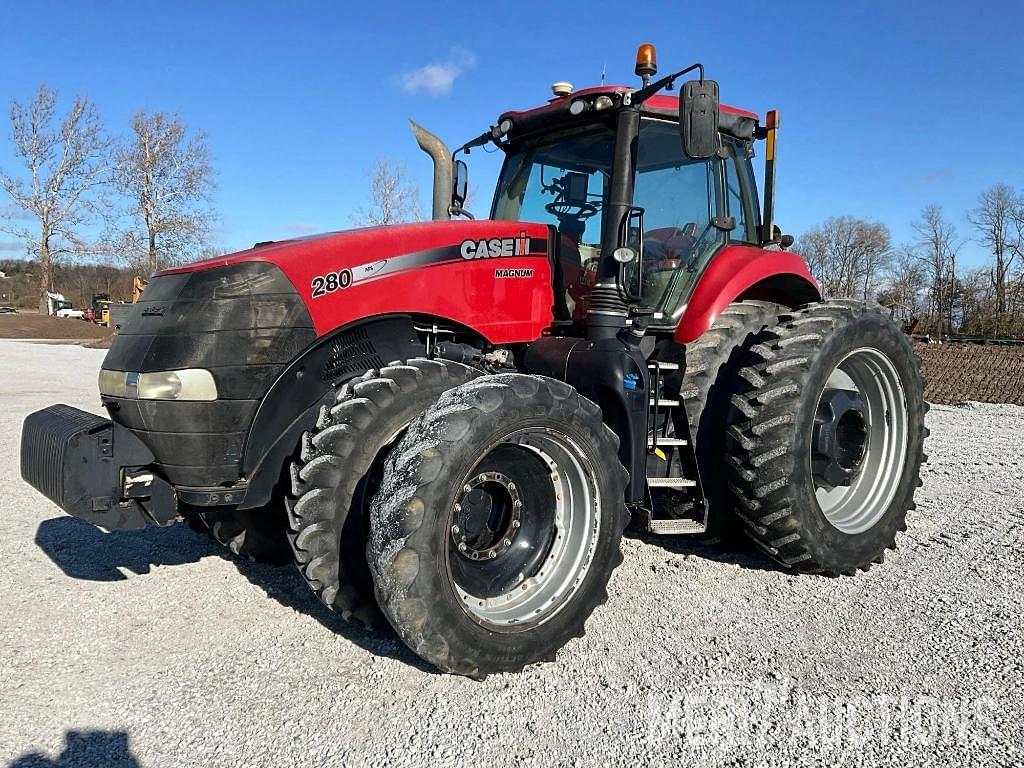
(448, 425)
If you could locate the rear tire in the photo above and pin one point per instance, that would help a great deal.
(326, 514)
(826, 449)
(498, 524)
(705, 387)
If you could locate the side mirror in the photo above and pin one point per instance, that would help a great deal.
(460, 184)
(698, 118)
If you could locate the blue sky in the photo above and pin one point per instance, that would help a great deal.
(886, 106)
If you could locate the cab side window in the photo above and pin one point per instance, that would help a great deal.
(740, 193)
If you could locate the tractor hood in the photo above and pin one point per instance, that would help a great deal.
(493, 276)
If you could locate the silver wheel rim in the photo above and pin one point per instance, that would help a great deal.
(538, 596)
(870, 378)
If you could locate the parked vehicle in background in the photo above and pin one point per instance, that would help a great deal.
(100, 302)
(55, 302)
(68, 312)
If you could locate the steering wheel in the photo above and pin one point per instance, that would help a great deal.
(566, 210)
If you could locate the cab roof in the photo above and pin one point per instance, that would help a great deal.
(733, 121)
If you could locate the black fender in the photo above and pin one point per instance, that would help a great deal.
(293, 401)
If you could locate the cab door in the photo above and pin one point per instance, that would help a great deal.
(682, 200)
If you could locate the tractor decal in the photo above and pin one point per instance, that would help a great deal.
(491, 248)
(495, 247)
(514, 273)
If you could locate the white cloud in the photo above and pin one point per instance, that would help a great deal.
(437, 79)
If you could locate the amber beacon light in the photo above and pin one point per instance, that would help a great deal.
(646, 62)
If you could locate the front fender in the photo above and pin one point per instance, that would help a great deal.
(743, 272)
(293, 401)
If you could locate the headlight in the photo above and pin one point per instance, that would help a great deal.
(112, 383)
(189, 384)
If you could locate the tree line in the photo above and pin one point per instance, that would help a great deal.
(77, 281)
(76, 191)
(924, 282)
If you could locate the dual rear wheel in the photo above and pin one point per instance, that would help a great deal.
(481, 516)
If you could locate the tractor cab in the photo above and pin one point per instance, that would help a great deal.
(685, 209)
(642, 190)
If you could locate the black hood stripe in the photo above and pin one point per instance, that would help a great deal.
(431, 257)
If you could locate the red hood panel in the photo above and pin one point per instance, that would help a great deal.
(492, 276)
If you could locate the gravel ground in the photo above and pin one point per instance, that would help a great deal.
(156, 649)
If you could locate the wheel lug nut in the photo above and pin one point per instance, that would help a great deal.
(493, 555)
(458, 507)
(466, 488)
(462, 546)
(455, 529)
(507, 542)
(516, 523)
(511, 486)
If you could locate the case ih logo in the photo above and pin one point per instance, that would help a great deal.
(495, 247)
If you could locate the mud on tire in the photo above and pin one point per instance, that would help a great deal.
(824, 488)
(326, 520)
(466, 590)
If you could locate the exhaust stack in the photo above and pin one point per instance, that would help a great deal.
(442, 158)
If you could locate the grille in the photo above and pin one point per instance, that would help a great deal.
(353, 352)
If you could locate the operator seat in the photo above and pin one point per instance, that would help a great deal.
(666, 249)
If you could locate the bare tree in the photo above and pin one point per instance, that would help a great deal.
(905, 285)
(394, 198)
(937, 249)
(848, 256)
(167, 176)
(978, 304)
(66, 163)
(999, 220)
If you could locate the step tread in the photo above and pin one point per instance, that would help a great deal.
(676, 527)
(660, 402)
(670, 482)
(668, 442)
(664, 366)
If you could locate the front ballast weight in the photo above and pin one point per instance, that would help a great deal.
(94, 470)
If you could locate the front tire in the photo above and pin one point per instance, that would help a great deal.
(498, 524)
(336, 469)
(257, 534)
(825, 450)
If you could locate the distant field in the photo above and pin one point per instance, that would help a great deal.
(985, 373)
(35, 326)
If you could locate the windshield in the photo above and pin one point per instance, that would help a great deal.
(562, 180)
